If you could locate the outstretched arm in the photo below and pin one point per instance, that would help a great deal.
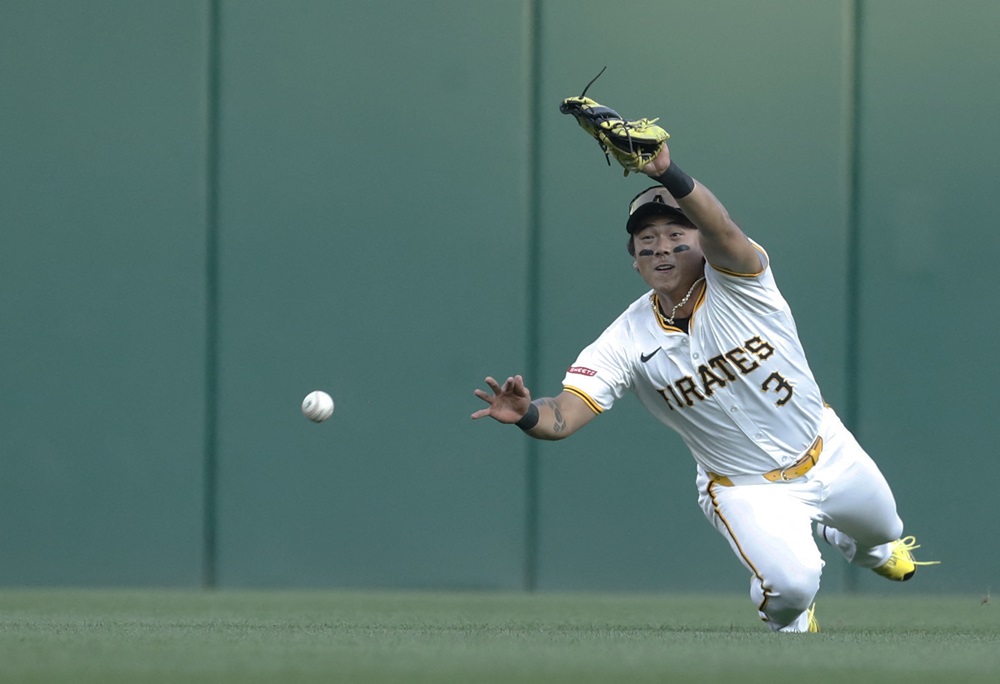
(724, 244)
(547, 418)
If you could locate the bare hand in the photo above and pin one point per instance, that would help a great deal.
(508, 403)
(658, 164)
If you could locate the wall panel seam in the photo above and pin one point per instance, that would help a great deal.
(533, 303)
(852, 362)
(210, 456)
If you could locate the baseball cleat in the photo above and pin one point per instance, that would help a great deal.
(813, 622)
(901, 566)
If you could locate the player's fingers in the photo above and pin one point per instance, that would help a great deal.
(493, 384)
(481, 413)
(517, 386)
(483, 395)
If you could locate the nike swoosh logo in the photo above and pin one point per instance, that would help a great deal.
(646, 357)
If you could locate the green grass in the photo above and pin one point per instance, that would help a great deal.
(178, 636)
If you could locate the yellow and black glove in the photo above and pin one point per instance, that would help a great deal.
(632, 142)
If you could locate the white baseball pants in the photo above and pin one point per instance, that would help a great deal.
(769, 526)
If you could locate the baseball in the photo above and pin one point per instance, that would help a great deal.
(317, 406)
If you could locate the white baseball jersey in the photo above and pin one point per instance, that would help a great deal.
(736, 387)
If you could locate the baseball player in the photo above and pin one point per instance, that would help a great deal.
(712, 351)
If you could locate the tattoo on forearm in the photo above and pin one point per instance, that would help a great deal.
(559, 424)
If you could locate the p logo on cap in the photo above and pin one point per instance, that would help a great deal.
(654, 200)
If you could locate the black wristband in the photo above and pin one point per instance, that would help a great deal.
(677, 183)
(529, 419)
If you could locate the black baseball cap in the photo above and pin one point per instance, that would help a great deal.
(652, 201)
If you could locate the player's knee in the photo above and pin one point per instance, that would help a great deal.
(791, 592)
(890, 530)
(798, 594)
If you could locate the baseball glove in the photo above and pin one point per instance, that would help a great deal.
(632, 142)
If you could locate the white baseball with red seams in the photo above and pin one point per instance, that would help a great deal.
(317, 406)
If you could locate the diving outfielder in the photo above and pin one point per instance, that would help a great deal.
(712, 351)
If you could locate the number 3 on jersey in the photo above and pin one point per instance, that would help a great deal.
(777, 382)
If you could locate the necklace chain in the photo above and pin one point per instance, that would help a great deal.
(669, 320)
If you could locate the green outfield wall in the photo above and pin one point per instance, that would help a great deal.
(210, 208)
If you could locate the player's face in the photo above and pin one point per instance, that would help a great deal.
(668, 255)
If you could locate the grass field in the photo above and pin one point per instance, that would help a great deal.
(176, 636)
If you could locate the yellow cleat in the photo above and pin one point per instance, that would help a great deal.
(901, 566)
(813, 622)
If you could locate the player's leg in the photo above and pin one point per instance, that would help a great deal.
(769, 528)
(859, 511)
(859, 515)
